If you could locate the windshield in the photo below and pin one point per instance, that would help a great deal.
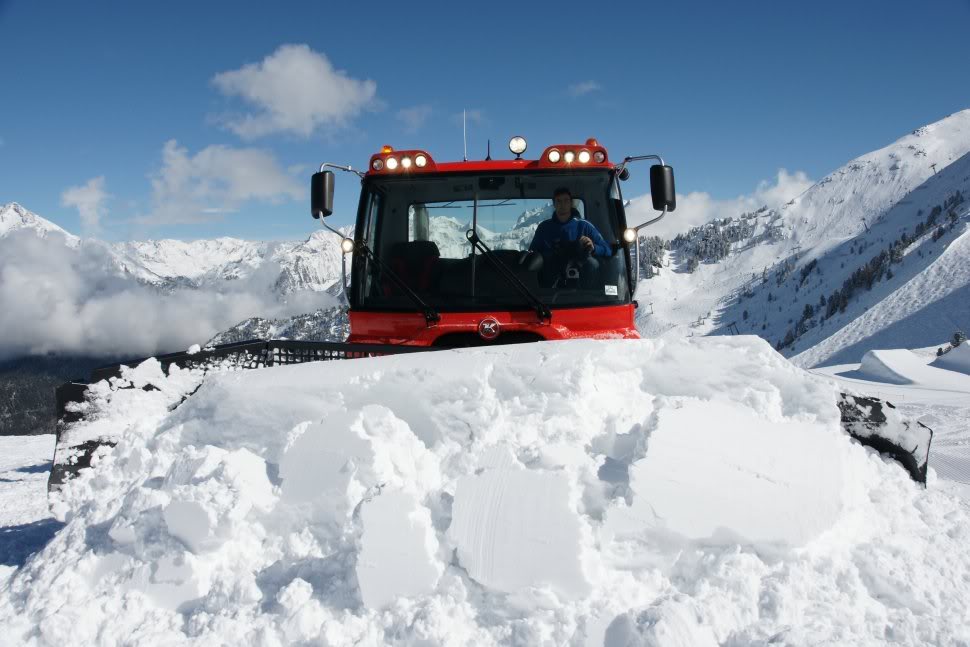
(566, 255)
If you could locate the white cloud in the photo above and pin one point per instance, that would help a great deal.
(294, 90)
(54, 298)
(216, 180)
(414, 117)
(583, 87)
(89, 200)
(699, 207)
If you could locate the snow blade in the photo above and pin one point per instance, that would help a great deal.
(70, 458)
(878, 424)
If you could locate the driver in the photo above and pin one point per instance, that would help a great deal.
(565, 238)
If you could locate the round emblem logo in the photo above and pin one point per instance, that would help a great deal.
(488, 328)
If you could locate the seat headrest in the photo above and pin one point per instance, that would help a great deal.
(415, 249)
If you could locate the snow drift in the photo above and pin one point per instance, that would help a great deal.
(584, 492)
(958, 359)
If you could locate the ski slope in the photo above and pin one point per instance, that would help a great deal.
(630, 492)
(840, 224)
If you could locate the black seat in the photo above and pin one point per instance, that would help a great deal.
(415, 262)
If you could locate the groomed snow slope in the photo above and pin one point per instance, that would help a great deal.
(586, 493)
(931, 305)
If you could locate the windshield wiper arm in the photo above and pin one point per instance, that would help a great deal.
(430, 314)
(542, 310)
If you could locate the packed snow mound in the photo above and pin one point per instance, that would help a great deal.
(894, 366)
(957, 359)
(904, 367)
(627, 492)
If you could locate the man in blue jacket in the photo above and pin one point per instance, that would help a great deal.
(566, 238)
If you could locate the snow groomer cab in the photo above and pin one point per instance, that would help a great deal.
(477, 252)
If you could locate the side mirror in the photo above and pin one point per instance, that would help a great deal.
(321, 194)
(662, 187)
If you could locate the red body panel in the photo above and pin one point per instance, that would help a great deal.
(410, 329)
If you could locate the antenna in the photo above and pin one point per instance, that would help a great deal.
(464, 137)
(488, 151)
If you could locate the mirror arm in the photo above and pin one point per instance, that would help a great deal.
(347, 168)
(650, 222)
(635, 158)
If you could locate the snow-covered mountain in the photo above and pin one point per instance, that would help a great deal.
(14, 217)
(325, 324)
(870, 256)
(313, 264)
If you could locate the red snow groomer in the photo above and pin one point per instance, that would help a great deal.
(493, 251)
(470, 253)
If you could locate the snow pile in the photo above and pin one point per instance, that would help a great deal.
(590, 493)
(957, 359)
(891, 366)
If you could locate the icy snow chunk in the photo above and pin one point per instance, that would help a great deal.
(319, 465)
(717, 471)
(189, 522)
(669, 623)
(212, 489)
(333, 464)
(514, 529)
(397, 553)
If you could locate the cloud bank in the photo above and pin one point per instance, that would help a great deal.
(294, 90)
(216, 180)
(699, 207)
(57, 299)
(88, 199)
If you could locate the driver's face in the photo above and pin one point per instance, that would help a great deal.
(564, 206)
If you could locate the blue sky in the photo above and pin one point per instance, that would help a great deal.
(189, 120)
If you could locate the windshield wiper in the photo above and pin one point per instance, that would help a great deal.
(430, 314)
(542, 310)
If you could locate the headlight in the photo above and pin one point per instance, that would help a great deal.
(599, 157)
(405, 162)
(583, 157)
(391, 163)
(420, 161)
(517, 145)
(629, 235)
(554, 155)
(570, 157)
(346, 245)
(377, 164)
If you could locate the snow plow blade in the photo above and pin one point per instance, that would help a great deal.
(71, 457)
(878, 424)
